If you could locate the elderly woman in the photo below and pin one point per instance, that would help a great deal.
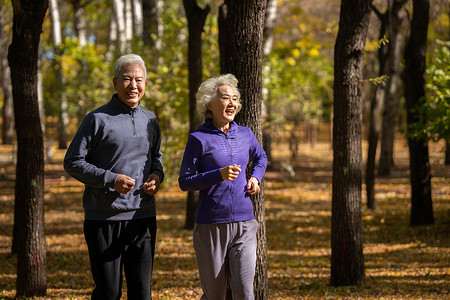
(214, 162)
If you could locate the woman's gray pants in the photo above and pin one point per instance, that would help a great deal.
(226, 253)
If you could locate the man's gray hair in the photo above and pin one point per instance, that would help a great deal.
(129, 59)
(207, 92)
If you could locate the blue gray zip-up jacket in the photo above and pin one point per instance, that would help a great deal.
(116, 139)
(208, 149)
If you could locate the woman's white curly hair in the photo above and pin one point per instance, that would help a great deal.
(207, 92)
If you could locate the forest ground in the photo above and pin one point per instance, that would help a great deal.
(401, 262)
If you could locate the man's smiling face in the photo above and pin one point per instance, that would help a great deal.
(130, 84)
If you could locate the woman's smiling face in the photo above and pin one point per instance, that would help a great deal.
(224, 106)
(130, 84)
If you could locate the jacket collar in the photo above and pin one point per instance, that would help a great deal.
(208, 126)
(122, 106)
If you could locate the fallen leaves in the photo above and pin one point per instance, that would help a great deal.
(401, 262)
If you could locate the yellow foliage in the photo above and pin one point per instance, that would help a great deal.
(302, 27)
(314, 52)
(296, 52)
(371, 46)
(291, 61)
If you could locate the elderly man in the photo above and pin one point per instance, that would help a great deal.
(116, 154)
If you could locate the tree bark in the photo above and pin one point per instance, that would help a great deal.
(153, 32)
(268, 35)
(447, 153)
(375, 115)
(129, 24)
(138, 19)
(79, 22)
(391, 96)
(5, 84)
(119, 17)
(414, 81)
(29, 188)
(63, 120)
(151, 22)
(241, 26)
(196, 18)
(347, 260)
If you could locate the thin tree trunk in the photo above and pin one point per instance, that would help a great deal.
(29, 202)
(119, 17)
(196, 20)
(129, 24)
(315, 131)
(112, 39)
(63, 121)
(414, 81)
(391, 98)
(79, 22)
(268, 35)
(240, 42)
(5, 84)
(347, 260)
(375, 115)
(153, 31)
(374, 130)
(138, 19)
(447, 153)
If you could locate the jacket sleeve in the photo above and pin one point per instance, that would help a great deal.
(75, 160)
(258, 158)
(156, 155)
(190, 179)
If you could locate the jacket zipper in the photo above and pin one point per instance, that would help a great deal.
(231, 182)
(132, 122)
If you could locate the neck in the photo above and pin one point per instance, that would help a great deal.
(222, 126)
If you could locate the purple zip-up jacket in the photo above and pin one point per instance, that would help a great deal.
(208, 149)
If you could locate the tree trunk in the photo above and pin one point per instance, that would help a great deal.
(5, 85)
(240, 42)
(153, 31)
(414, 81)
(375, 115)
(138, 20)
(151, 17)
(268, 35)
(374, 131)
(29, 202)
(196, 18)
(119, 17)
(129, 24)
(447, 153)
(391, 97)
(347, 260)
(79, 22)
(315, 131)
(63, 120)
(112, 39)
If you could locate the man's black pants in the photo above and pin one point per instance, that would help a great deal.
(113, 244)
